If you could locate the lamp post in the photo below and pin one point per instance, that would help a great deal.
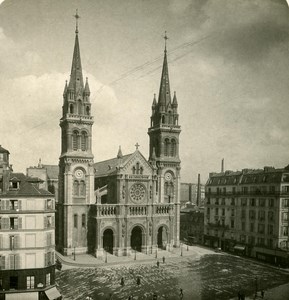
(73, 253)
(134, 253)
(187, 247)
(181, 249)
(157, 252)
(105, 255)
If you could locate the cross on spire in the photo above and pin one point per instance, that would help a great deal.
(76, 16)
(136, 146)
(166, 38)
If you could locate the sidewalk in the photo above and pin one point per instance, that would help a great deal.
(87, 260)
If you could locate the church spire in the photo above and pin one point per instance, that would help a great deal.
(76, 78)
(165, 94)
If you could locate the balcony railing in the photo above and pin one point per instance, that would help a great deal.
(162, 209)
(107, 210)
(248, 193)
(137, 210)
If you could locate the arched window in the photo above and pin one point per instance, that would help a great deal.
(87, 110)
(75, 188)
(137, 168)
(141, 170)
(173, 147)
(163, 119)
(82, 188)
(75, 140)
(71, 108)
(79, 107)
(83, 141)
(167, 192)
(167, 147)
(133, 170)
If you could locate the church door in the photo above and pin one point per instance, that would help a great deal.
(136, 238)
(162, 237)
(108, 240)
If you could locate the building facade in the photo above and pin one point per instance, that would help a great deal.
(27, 247)
(247, 212)
(124, 204)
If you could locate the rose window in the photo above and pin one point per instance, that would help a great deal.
(137, 192)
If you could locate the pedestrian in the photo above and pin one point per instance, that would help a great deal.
(138, 280)
(181, 294)
(262, 294)
(164, 259)
(158, 263)
(122, 281)
(155, 296)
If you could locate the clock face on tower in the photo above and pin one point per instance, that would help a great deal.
(168, 176)
(78, 173)
(137, 193)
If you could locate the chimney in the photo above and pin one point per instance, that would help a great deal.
(222, 166)
(199, 191)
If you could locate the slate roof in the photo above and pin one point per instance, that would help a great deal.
(2, 150)
(108, 167)
(26, 187)
(52, 171)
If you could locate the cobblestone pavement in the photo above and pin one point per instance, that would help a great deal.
(200, 273)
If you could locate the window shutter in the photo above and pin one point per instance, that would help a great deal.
(53, 221)
(5, 223)
(45, 259)
(7, 204)
(19, 223)
(2, 263)
(45, 222)
(17, 261)
(19, 204)
(11, 262)
(16, 241)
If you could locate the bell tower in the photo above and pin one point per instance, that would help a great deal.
(164, 135)
(76, 173)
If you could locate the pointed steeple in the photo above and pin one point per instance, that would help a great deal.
(175, 101)
(165, 94)
(119, 154)
(65, 88)
(154, 101)
(86, 88)
(76, 78)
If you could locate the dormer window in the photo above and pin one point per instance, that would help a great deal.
(14, 185)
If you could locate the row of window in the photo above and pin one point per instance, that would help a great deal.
(14, 223)
(75, 220)
(79, 188)
(79, 140)
(261, 202)
(13, 241)
(79, 109)
(170, 147)
(14, 260)
(251, 190)
(16, 205)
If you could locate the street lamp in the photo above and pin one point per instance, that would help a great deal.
(105, 255)
(181, 250)
(134, 253)
(73, 253)
(187, 247)
(157, 252)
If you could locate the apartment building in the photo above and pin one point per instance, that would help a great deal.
(27, 236)
(247, 212)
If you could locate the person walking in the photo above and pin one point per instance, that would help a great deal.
(181, 294)
(239, 295)
(164, 259)
(262, 294)
(138, 280)
(122, 281)
(158, 263)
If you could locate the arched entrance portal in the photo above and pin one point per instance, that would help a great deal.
(136, 238)
(108, 240)
(162, 237)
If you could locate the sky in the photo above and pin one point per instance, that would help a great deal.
(228, 63)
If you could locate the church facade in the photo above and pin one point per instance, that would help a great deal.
(124, 204)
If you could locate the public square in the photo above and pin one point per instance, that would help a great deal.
(200, 273)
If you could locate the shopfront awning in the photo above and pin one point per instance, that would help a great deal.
(52, 294)
(22, 296)
(239, 247)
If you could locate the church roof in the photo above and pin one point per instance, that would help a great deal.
(108, 167)
(52, 171)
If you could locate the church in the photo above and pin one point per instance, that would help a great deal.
(127, 203)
